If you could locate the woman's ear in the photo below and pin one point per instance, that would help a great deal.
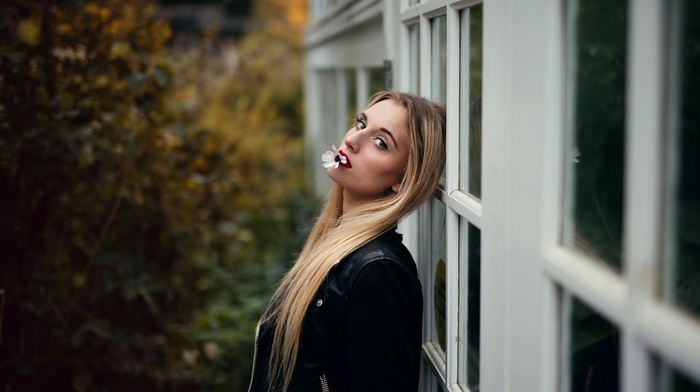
(396, 187)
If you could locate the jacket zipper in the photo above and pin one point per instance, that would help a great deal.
(288, 376)
(589, 377)
(324, 384)
(255, 356)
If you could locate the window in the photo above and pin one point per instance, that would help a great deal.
(597, 68)
(443, 46)
(681, 269)
(629, 200)
(560, 252)
(596, 59)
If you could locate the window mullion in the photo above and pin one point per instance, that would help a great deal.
(362, 81)
(452, 303)
(452, 103)
(644, 182)
(341, 94)
(425, 58)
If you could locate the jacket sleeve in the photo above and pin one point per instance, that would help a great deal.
(384, 329)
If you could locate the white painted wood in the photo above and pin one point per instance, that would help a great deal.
(452, 180)
(553, 370)
(362, 80)
(466, 205)
(341, 20)
(496, 164)
(643, 183)
(463, 280)
(603, 290)
(341, 120)
(525, 281)
(452, 103)
(425, 55)
(673, 335)
(452, 343)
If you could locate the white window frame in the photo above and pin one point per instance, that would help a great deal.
(524, 268)
(459, 205)
(523, 120)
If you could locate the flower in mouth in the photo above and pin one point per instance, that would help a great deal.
(335, 158)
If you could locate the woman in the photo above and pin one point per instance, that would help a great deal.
(347, 316)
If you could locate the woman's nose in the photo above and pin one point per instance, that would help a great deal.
(351, 140)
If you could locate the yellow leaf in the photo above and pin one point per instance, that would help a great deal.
(92, 9)
(102, 81)
(78, 280)
(64, 28)
(29, 32)
(119, 49)
(104, 13)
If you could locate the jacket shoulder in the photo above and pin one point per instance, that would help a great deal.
(387, 248)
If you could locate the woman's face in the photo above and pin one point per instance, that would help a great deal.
(377, 152)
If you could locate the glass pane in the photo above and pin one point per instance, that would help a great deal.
(592, 349)
(413, 2)
(414, 58)
(470, 265)
(351, 109)
(376, 80)
(438, 386)
(595, 156)
(439, 58)
(682, 264)
(671, 380)
(438, 252)
(471, 50)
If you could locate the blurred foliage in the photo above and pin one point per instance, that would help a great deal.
(149, 200)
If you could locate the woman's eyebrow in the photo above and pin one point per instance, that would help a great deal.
(364, 118)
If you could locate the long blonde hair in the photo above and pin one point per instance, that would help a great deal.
(335, 235)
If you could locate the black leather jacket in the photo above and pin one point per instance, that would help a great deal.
(362, 331)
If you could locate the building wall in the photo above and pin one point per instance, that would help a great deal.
(560, 251)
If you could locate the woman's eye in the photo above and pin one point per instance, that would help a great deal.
(361, 124)
(380, 142)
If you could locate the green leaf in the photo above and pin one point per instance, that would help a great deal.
(136, 81)
(161, 76)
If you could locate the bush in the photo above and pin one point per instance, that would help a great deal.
(147, 209)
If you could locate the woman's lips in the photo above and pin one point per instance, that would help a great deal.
(347, 160)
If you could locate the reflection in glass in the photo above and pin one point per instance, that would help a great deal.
(439, 57)
(471, 50)
(376, 80)
(682, 263)
(438, 387)
(440, 297)
(595, 156)
(414, 58)
(592, 347)
(472, 267)
(438, 254)
(671, 380)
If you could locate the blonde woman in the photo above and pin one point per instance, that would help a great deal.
(347, 316)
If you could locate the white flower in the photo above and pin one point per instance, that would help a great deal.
(333, 158)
